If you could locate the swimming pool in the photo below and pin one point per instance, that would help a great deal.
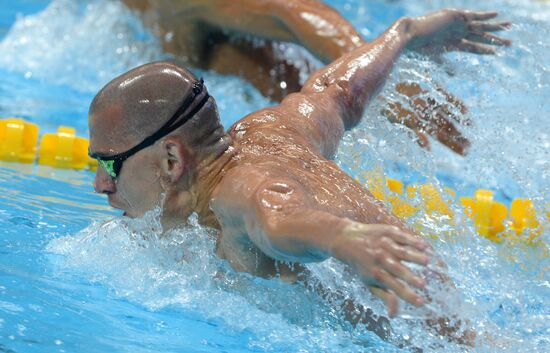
(74, 277)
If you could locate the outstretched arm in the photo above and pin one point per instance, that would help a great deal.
(279, 215)
(327, 35)
(267, 207)
(311, 24)
(341, 90)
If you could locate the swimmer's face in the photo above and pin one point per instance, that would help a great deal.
(137, 188)
(139, 165)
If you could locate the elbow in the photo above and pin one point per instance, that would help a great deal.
(405, 26)
(348, 104)
(351, 103)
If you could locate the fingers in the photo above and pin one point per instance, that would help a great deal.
(405, 238)
(487, 38)
(428, 117)
(475, 48)
(398, 270)
(457, 143)
(400, 289)
(422, 140)
(446, 132)
(455, 101)
(477, 41)
(436, 123)
(388, 297)
(480, 26)
(421, 119)
(413, 89)
(408, 254)
(473, 16)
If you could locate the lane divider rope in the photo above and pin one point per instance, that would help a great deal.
(492, 219)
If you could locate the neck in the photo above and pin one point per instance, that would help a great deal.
(207, 176)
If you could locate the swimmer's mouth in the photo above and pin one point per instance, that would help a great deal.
(124, 214)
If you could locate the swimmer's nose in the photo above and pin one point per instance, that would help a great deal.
(103, 183)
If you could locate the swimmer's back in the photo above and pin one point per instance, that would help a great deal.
(273, 142)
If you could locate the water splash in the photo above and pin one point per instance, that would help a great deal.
(79, 45)
(180, 269)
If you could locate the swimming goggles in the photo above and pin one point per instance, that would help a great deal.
(113, 164)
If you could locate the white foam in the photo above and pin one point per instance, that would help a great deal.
(79, 45)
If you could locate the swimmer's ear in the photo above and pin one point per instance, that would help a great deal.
(174, 161)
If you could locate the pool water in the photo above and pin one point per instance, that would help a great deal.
(77, 277)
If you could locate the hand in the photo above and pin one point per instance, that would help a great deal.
(452, 29)
(426, 116)
(375, 252)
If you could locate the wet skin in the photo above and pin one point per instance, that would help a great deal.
(274, 191)
(220, 35)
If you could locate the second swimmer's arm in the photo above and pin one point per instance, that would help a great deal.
(312, 24)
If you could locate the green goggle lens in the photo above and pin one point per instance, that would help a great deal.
(108, 166)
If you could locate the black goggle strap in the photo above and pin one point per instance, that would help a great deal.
(164, 130)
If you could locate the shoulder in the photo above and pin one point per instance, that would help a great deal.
(243, 187)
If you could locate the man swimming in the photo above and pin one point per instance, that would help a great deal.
(224, 36)
(268, 183)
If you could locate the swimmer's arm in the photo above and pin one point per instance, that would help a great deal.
(281, 220)
(350, 82)
(279, 217)
(312, 24)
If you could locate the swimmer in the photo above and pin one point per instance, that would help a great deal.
(223, 36)
(269, 184)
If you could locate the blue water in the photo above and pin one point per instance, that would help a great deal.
(75, 277)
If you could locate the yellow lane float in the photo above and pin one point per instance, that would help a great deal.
(18, 140)
(65, 150)
(491, 218)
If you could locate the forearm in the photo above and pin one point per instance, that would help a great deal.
(352, 81)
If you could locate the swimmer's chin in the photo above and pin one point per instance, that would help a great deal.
(125, 213)
(129, 215)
